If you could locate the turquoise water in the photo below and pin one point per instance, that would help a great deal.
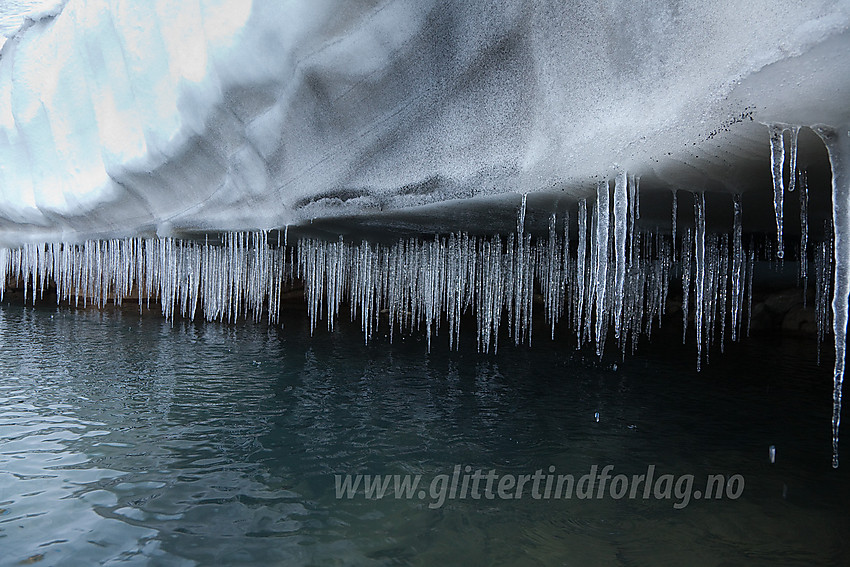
(126, 439)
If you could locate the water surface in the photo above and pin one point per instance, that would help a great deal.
(128, 439)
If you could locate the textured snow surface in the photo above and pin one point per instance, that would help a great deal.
(126, 117)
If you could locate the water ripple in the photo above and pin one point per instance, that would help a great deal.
(129, 439)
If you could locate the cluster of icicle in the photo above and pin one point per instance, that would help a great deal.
(225, 281)
(610, 281)
(835, 251)
(420, 285)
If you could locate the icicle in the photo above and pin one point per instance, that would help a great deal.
(710, 291)
(837, 143)
(636, 179)
(751, 264)
(804, 234)
(737, 267)
(520, 221)
(592, 275)
(795, 131)
(722, 286)
(823, 284)
(687, 254)
(551, 280)
(602, 206)
(4, 270)
(673, 218)
(777, 158)
(580, 267)
(632, 219)
(568, 276)
(621, 204)
(699, 282)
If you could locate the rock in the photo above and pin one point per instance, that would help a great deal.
(782, 302)
(761, 319)
(800, 320)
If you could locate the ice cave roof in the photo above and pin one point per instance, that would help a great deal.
(400, 116)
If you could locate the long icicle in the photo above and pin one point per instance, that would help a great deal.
(804, 234)
(837, 143)
(699, 282)
(777, 159)
(621, 203)
(580, 267)
(737, 267)
(675, 213)
(602, 211)
(687, 254)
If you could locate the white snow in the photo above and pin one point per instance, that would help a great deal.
(124, 117)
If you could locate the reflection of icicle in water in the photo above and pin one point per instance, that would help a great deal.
(838, 146)
(777, 158)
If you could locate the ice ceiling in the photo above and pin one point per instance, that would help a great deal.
(120, 118)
